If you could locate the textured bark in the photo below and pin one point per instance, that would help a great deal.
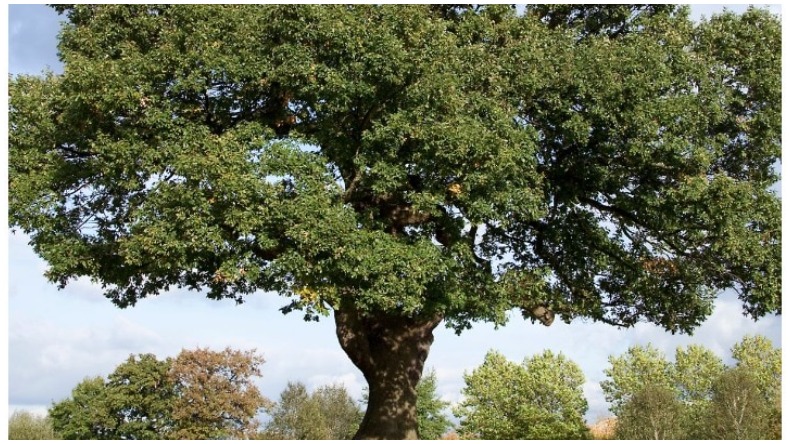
(390, 350)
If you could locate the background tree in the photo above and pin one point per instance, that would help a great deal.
(216, 397)
(28, 426)
(327, 413)
(654, 412)
(86, 414)
(294, 416)
(460, 163)
(431, 419)
(738, 410)
(540, 399)
(696, 396)
(342, 412)
(757, 356)
(644, 369)
(140, 396)
(634, 370)
(145, 398)
(694, 373)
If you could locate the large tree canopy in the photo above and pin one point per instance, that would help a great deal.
(400, 166)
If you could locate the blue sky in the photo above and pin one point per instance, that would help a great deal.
(57, 338)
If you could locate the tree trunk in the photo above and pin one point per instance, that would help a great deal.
(390, 350)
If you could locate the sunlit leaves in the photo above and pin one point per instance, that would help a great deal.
(539, 399)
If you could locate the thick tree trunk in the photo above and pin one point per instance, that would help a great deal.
(390, 350)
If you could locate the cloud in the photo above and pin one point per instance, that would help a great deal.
(32, 41)
(353, 382)
(597, 407)
(47, 360)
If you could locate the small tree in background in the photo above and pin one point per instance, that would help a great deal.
(694, 372)
(139, 395)
(432, 423)
(540, 399)
(654, 412)
(758, 356)
(86, 414)
(328, 413)
(215, 394)
(26, 425)
(630, 373)
(697, 396)
(342, 414)
(738, 410)
(763, 362)
(291, 414)
(199, 395)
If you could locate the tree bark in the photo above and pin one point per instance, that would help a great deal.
(390, 350)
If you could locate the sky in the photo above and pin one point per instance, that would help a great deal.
(57, 338)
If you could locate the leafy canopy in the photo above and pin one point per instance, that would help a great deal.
(409, 159)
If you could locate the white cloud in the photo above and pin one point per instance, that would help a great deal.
(47, 360)
(353, 383)
(597, 407)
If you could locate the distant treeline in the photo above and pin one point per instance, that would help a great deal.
(203, 394)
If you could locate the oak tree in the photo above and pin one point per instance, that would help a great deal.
(431, 420)
(402, 166)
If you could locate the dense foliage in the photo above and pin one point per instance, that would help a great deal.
(153, 160)
(327, 413)
(201, 394)
(540, 399)
(597, 161)
(697, 396)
